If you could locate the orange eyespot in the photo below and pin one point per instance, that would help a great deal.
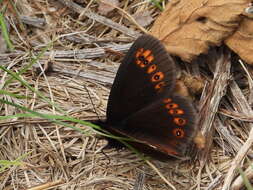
(146, 53)
(179, 133)
(179, 121)
(179, 112)
(167, 100)
(139, 52)
(151, 68)
(158, 76)
(150, 58)
(143, 57)
(171, 106)
(159, 85)
(144, 63)
(138, 62)
(171, 112)
(176, 112)
(147, 61)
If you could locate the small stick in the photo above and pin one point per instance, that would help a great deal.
(103, 20)
(138, 185)
(47, 185)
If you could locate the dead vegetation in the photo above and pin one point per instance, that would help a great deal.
(85, 49)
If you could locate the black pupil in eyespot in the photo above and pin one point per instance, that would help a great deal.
(156, 77)
(145, 62)
(142, 58)
(180, 120)
(178, 133)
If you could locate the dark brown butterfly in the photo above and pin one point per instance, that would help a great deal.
(142, 104)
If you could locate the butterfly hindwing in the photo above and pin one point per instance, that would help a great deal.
(145, 74)
(166, 125)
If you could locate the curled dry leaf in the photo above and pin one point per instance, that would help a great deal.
(241, 42)
(194, 84)
(188, 28)
(181, 89)
(106, 6)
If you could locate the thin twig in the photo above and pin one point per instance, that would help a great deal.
(75, 7)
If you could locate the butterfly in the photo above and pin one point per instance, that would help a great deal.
(143, 105)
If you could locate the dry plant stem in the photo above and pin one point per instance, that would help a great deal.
(53, 110)
(248, 71)
(237, 160)
(242, 105)
(6, 177)
(76, 54)
(40, 121)
(138, 185)
(75, 7)
(160, 174)
(236, 115)
(239, 183)
(233, 144)
(130, 18)
(47, 185)
(33, 21)
(215, 183)
(84, 39)
(239, 101)
(209, 105)
(89, 52)
(95, 76)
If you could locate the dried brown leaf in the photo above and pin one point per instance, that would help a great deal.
(107, 6)
(241, 41)
(188, 28)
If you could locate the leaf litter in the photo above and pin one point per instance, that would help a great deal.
(62, 158)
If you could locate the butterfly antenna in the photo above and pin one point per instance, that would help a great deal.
(92, 103)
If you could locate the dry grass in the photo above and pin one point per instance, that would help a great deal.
(85, 56)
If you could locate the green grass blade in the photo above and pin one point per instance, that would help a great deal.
(5, 32)
(4, 92)
(59, 120)
(24, 83)
(4, 164)
(245, 180)
(32, 62)
(48, 117)
(157, 4)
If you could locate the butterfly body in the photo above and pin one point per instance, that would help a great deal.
(142, 104)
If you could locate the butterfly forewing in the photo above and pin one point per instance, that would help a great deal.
(145, 74)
